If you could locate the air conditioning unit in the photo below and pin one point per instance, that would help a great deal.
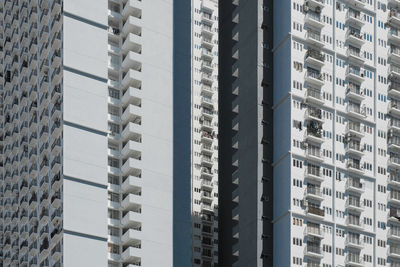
(318, 9)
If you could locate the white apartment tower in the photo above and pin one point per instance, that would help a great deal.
(204, 122)
(95, 135)
(336, 133)
(140, 150)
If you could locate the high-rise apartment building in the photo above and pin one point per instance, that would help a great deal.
(53, 133)
(334, 96)
(245, 133)
(108, 133)
(204, 170)
(140, 149)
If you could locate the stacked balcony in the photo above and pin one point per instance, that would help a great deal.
(314, 230)
(313, 249)
(354, 241)
(394, 130)
(313, 211)
(354, 221)
(125, 138)
(354, 204)
(354, 165)
(354, 259)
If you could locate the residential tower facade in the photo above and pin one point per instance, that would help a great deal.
(335, 136)
(95, 133)
(204, 131)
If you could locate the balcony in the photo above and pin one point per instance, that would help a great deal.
(355, 37)
(394, 89)
(314, 154)
(394, 161)
(354, 92)
(314, 19)
(131, 167)
(394, 197)
(132, 8)
(355, 73)
(355, 56)
(207, 30)
(208, 137)
(207, 54)
(314, 77)
(315, 58)
(394, 233)
(206, 161)
(313, 251)
(206, 173)
(355, 17)
(354, 242)
(207, 101)
(315, 213)
(132, 149)
(354, 185)
(132, 78)
(394, 124)
(314, 114)
(207, 78)
(207, 208)
(207, 113)
(316, 4)
(394, 72)
(394, 35)
(314, 173)
(314, 232)
(393, 142)
(207, 89)
(394, 178)
(313, 133)
(132, 255)
(355, 111)
(132, 42)
(354, 222)
(132, 237)
(354, 204)
(207, 149)
(394, 53)
(394, 251)
(355, 148)
(132, 61)
(131, 184)
(132, 219)
(314, 38)
(206, 185)
(394, 18)
(132, 25)
(354, 260)
(131, 202)
(354, 166)
(206, 197)
(131, 113)
(207, 66)
(207, 42)
(313, 193)
(207, 18)
(314, 96)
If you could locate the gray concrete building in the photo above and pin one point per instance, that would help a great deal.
(245, 133)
